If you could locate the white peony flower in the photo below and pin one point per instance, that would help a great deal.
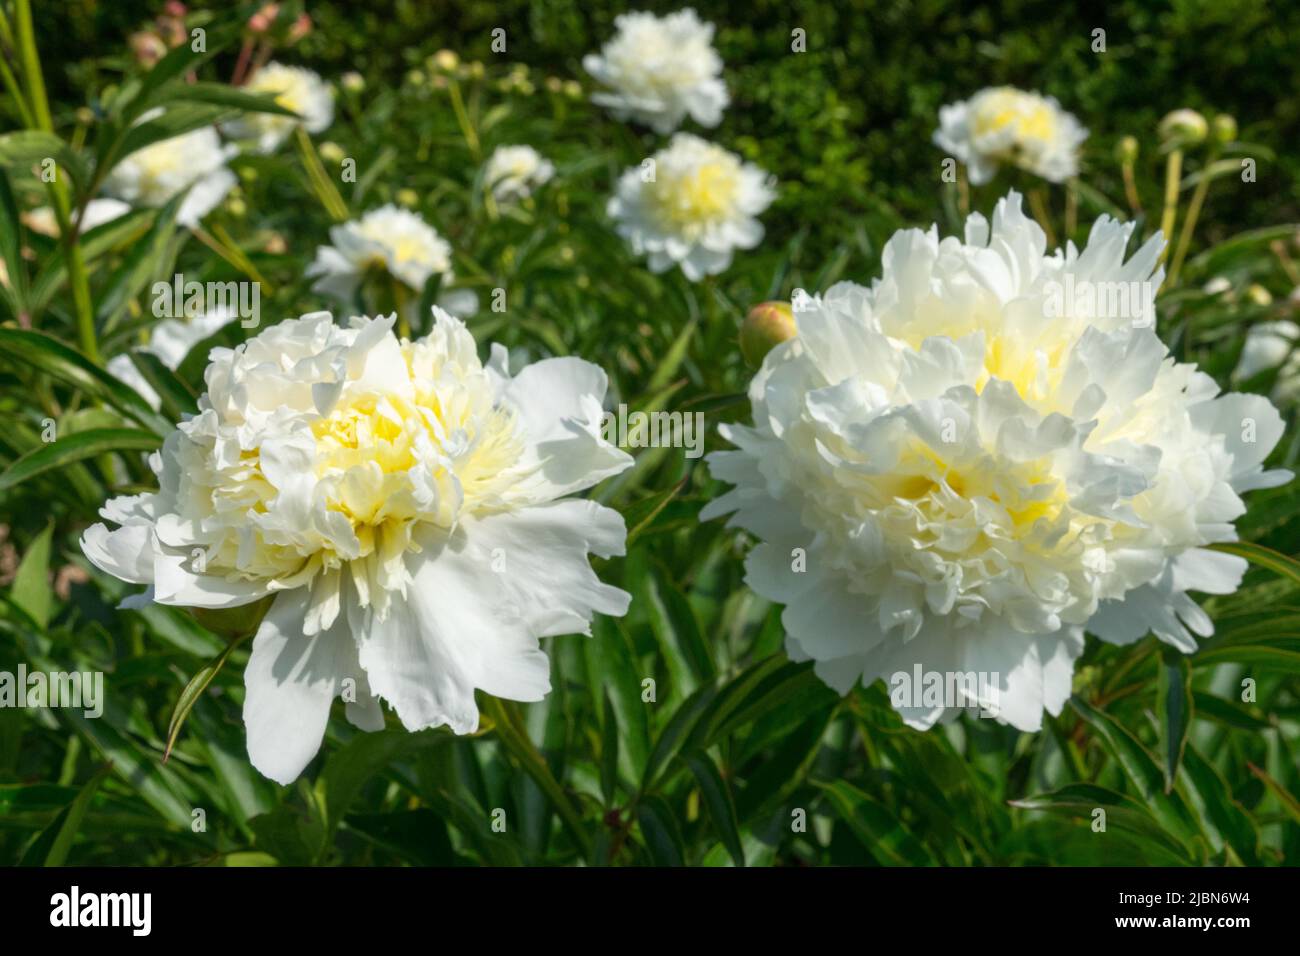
(97, 212)
(691, 205)
(193, 163)
(391, 238)
(513, 172)
(1003, 124)
(949, 473)
(399, 242)
(659, 69)
(294, 88)
(170, 340)
(1273, 345)
(401, 503)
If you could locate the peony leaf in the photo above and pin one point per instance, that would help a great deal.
(44, 353)
(717, 797)
(1083, 800)
(76, 447)
(659, 830)
(1141, 770)
(1174, 707)
(878, 829)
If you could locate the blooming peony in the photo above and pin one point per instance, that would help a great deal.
(397, 241)
(950, 472)
(659, 69)
(294, 88)
(513, 172)
(193, 163)
(400, 502)
(691, 205)
(1003, 124)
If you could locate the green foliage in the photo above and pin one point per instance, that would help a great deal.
(680, 734)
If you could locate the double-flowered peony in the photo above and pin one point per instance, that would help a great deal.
(403, 506)
(294, 88)
(1002, 124)
(659, 69)
(389, 238)
(960, 470)
(193, 163)
(691, 205)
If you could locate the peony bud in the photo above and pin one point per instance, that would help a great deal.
(1257, 295)
(767, 326)
(1225, 129)
(301, 27)
(1183, 128)
(261, 21)
(147, 48)
(446, 61)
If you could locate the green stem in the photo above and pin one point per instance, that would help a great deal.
(1193, 213)
(462, 118)
(30, 58)
(1038, 203)
(31, 64)
(1130, 188)
(324, 187)
(1071, 207)
(401, 298)
(11, 84)
(1173, 174)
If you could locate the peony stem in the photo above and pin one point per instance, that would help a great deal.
(1193, 213)
(1173, 174)
(1038, 203)
(40, 110)
(462, 118)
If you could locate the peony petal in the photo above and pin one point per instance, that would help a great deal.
(290, 682)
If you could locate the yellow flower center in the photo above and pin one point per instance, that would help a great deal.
(698, 196)
(1029, 116)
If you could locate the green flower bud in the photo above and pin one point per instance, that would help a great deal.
(1258, 295)
(767, 326)
(1225, 129)
(353, 81)
(1183, 128)
(1126, 150)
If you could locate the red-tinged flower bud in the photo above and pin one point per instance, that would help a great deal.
(767, 326)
